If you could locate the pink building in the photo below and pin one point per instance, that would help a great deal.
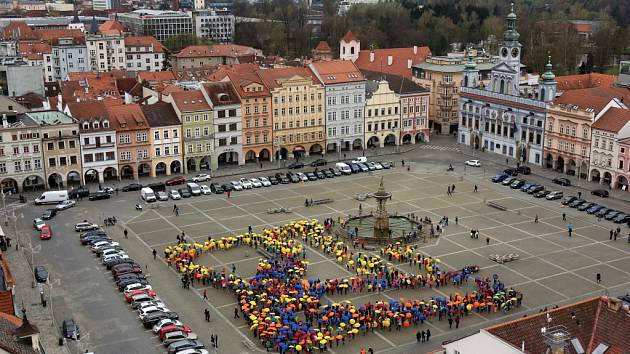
(623, 164)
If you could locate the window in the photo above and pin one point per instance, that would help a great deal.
(51, 146)
(3, 167)
(158, 152)
(17, 165)
(124, 139)
(88, 157)
(72, 144)
(73, 160)
(156, 135)
(63, 161)
(62, 145)
(176, 150)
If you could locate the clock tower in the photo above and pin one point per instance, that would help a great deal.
(506, 74)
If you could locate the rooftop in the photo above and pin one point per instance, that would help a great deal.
(613, 120)
(127, 117)
(145, 41)
(221, 93)
(51, 118)
(273, 78)
(349, 36)
(595, 98)
(582, 81)
(190, 101)
(160, 114)
(397, 61)
(216, 50)
(399, 84)
(336, 72)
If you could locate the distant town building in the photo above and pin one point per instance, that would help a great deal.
(227, 118)
(21, 156)
(144, 54)
(18, 78)
(132, 136)
(216, 24)
(322, 52)
(106, 4)
(216, 54)
(160, 24)
(611, 127)
(165, 138)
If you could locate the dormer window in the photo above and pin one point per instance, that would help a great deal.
(105, 124)
(95, 125)
(86, 125)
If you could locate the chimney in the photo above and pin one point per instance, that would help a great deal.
(371, 56)
(614, 304)
(408, 63)
(390, 60)
(415, 49)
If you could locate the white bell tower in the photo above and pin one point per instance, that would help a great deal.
(349, 47)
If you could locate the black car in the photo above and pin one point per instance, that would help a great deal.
(541, 194)
(90, 240)
(282, 178)
(585, 206)
(295, 165)
(602, 212)
(116, 261)
(293, 177)
(273, 180)
(227, 187)
(621, 218)
(510, 172)
(133, 187)
(319, 174)
(120, 266)
(70, 329)
(517, 184)
(41, 274)
(319, 162)
(157, 187)
(329, 173)
(594, 209)
(79, 192)
(151, 319)
(181, 345)
(49, 214)
(524, 170)
(611, 214)
(568, 200)
(561, 181)
(354, 168)
(535, 189)
(122, 284)
(216, 188)
(99, 195)
(335, 171)
(576, 203)
(600, 193)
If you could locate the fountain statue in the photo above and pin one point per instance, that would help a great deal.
(381, 218)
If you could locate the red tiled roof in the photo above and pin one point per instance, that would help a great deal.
(595, 98)
(337, 71)
(583, 27)
(34, 50)
(127, 117)
(242, 80)
(613, 120)
(189, 101)
(271, 77)
(348, 37)
(221, 93)
(19, 30)
(111, 26)
(591, 321)
(145, 41)
(156, 76)
(215, 50)
(50, 34)
(87, 110)
(323, 46)
(402, 60)
(581, 81)
(168, 89)
(6, 302)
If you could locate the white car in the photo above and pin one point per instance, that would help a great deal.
(85, 226)
(103, 245)
(246, 183)
(165, 322)
(360, 159)
(108, 190)
(111, 251)
(137, 286)
(192, 351)
(378, 166)
(236, 185)
(151, 309)
(115, 256)
(474, 163)
(265, 181)
(175, 336)
(255, 182)
(174, 194)
(161, 196)
(302, 176)
(155, 302)
(66, 204)
(205, 190)
(38, 223)
(202, 177)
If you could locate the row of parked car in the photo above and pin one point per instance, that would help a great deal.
(539, 191)
(138, 293)
(157, 191)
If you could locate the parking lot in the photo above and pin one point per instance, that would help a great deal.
(552, 268)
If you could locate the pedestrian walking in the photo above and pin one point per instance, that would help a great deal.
(236, 312)
(428, 334)
(615, 236)
(174, 207)
(205, 294)
(564, 217)
(456, 220)
(423, 334)
(418, 336)
(599, 278)
(177, 211)
(570, 231)
(154, 254)
(450, 323)
(487, 240)
(228, 194)
(206, 313)
(579, 195)
(453, 189)
(360, 208)
(125, 233)
(475, 188)
(611, 234)
(536, 219)
(507, 162)
(403, 163)
(448, 190)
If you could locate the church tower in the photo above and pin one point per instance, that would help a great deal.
(349, 47)
(507, 73)
(471, 74)
(547, 85)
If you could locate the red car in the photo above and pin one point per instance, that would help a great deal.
(173, 328)
(46, 232)
(129, 295)
(175, 181)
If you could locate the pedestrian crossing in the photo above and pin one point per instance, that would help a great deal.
(439, 148)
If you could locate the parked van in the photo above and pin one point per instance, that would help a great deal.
(360, 159)
(52, 197)
(194, 188)
(344, 168)
(147, 195)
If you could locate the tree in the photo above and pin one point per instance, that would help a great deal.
(176, 43)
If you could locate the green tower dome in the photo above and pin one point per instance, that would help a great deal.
(511, 34)
(471, 64)
(548, 75)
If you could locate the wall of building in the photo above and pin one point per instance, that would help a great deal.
(481, 342)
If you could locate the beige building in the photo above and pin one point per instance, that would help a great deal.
(382, 115)
(165, 137)
(20, 154)
(196, 56)
(297, 111)
(444, 75)
(61, 148)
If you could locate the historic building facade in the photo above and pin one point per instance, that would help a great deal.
(610, 128)
(623, 164)
(132, 136)
(382, 115)
(228, 123)
(165, 137)
(498, 118)
(21, 166)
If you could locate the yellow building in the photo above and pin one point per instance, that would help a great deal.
(382, 115)
(297, 111)
(165, 137)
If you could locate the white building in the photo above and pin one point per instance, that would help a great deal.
(160, 24)
(144, 54)
(105, 4)
(106, 51)
(345, 101)
(21, 156)
(214, 24)
(69, 55)
(611, 125)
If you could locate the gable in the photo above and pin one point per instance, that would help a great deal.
(252, 87)
(504, 68)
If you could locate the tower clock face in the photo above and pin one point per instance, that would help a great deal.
(515, 52)
(504, 52)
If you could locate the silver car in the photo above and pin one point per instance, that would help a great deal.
(174, 194)
(161, 196)
(66, 204)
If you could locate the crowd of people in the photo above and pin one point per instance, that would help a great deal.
(290, 313)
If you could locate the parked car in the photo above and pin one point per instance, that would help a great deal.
(246, 183)
(328, 174)
(132, 187)
(554, 195)
(320, 174)
(205, 190)
(181, 345)
(594, 209)
(174, 194)
(70, 329)
(157, 187)
(473, 163)
(161, 196)
(85, 226)
(535, 189)
(282, 178)
(360, 159)
(364, 167)
(273, 180)
(576, 203)
(600, 193)
(602, 212)
(184, 192)
(621, 218)
(45, 233)
(237, 185)
(293, 177)
(41, 274)
(517, 184)
(526, 186)
(319, 162)
(99, 196)
(66, 204)
(499, 178)
(568, 200)
(175, 181)
(354, 168)
(370, 166)
(611, 214)
(165, 322)
(336, 171)
(177, 336)
(524, 170)
(264, 181)
(387, 164)
(216, 188)
(153, 318)
(49, 214)
(302, 176)
(311, 176)
(255, 182)
(202, 177)
(295, 165)
(115, 262)
(378, 166)
(38, 223)
(511, 172)
(193, 351)
(541, 194)
(79, 192)
(227, 187)
(172, 328)
(508, 181)
(561, 181)
(585, 206)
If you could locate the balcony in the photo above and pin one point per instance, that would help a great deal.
(446, 83)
